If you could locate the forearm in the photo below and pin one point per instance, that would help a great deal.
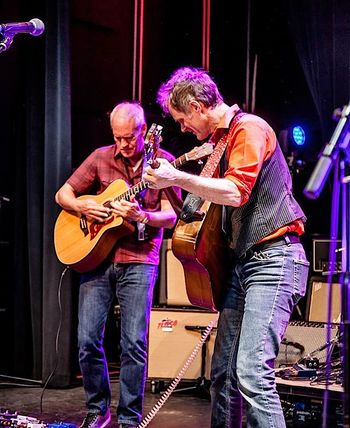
(221, 191)
(88, 207)
(163, 219)
(218, 190)
(66, 198)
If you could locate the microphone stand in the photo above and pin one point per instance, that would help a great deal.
(3, 199)
(345, 283)
(337, 154)
(6, 43)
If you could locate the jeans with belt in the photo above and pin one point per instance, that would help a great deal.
(263, 288)
(133, 285)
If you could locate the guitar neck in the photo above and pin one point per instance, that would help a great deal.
(142, 185)
(134, 190)
(180, 161)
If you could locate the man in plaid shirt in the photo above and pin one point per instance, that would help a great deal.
(129, 273)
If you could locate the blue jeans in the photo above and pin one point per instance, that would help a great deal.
(263, 289)
(133, 285)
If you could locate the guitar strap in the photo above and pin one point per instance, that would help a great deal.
(141, 227)
(190, 210)
(175, 201)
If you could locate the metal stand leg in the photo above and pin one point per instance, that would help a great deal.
(345, 183)
(201, 386)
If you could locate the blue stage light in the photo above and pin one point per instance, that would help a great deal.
(298, 135)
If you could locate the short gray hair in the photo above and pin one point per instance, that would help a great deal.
(130, 110)
(185, 85)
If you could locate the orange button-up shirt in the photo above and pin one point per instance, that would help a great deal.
(249, 145)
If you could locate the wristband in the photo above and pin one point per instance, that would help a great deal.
(145, 219)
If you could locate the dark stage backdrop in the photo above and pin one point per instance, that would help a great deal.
(36, 155)
(56, 93)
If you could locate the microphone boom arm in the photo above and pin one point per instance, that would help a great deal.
(339, 140)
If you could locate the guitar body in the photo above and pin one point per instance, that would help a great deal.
(202, 249)
(85, 248)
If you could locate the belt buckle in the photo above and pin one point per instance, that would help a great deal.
(291, 238)
(287, 239)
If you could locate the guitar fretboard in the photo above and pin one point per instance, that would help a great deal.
(142, 185)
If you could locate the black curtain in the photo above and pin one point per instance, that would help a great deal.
(321, 31)
(22, 114)
(56, 168)
(36, 126)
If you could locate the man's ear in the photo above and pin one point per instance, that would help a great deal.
(196, 106)
(144, 129)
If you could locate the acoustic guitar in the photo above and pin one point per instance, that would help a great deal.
(201, 247)
(201, 244)
(83, 244)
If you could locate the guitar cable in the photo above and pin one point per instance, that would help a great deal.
(175, 382)
(49, 377)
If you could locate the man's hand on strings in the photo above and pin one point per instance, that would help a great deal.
(130, 210)
(164, 175)
(92, 210)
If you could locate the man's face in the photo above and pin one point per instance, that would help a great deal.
(128, 137)
(194, 121)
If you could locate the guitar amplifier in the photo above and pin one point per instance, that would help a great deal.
(321, 256)
(317, 301)
(172, 286)
(302, 338)
(173, 335)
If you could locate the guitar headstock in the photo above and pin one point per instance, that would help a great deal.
(200, 152)
(152, 142)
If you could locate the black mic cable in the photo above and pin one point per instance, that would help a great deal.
(49, 377)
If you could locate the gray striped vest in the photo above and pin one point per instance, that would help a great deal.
(270, 206)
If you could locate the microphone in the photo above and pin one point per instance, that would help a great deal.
(339, 140)
(34, 27)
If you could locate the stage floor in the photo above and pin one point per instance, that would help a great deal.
(182, 409)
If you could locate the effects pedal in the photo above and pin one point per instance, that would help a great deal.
(311, 362)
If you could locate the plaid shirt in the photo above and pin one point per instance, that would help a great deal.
(96, 173)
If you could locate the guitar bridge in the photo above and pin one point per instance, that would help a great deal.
(83, 225)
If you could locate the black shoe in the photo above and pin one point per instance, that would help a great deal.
(127, 426)
(95, 420)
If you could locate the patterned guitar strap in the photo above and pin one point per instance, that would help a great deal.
(190, 210)
(141, 227)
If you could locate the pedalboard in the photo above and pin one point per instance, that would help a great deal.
(14, 420)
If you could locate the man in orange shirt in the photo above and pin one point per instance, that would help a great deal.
(268, 268)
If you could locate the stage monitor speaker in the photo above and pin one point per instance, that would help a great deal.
(317, 305)
(172, 279)
(170, 343)
(302, 338)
